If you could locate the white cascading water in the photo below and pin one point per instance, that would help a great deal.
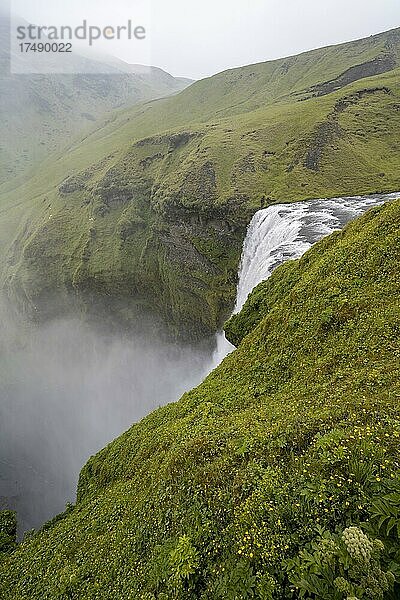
(284, 232)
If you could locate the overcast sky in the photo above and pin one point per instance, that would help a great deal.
(199, 38)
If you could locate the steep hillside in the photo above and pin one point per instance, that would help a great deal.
(151, 209)
(294, 438)
(40, 113)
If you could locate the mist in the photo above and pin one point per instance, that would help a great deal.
(66, 390)
(199, 39)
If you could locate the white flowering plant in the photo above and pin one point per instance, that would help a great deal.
(342, 566)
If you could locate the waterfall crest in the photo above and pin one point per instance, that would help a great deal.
(285, 232)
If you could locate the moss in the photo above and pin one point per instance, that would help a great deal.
(260, 302)
(8, 531)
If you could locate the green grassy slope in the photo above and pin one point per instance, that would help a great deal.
(294, 436)
(151, 209)
(40, 113)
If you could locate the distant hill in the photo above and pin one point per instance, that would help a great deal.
(149, 211)
(40, 113)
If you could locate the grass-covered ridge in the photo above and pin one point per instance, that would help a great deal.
(294, 438)
(151, 209)
(41, 113)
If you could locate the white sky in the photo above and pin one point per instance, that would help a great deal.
(196, 39)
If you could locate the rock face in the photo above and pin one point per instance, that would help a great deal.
(329, 130)
(377, 66)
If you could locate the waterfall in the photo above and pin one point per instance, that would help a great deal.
(284, 232)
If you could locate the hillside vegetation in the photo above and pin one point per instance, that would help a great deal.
(274, 478)
(149, 212)
(41, 113)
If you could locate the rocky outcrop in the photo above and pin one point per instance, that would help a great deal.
(327, 131)
(381, 64)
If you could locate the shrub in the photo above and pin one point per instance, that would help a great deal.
(341, 567)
